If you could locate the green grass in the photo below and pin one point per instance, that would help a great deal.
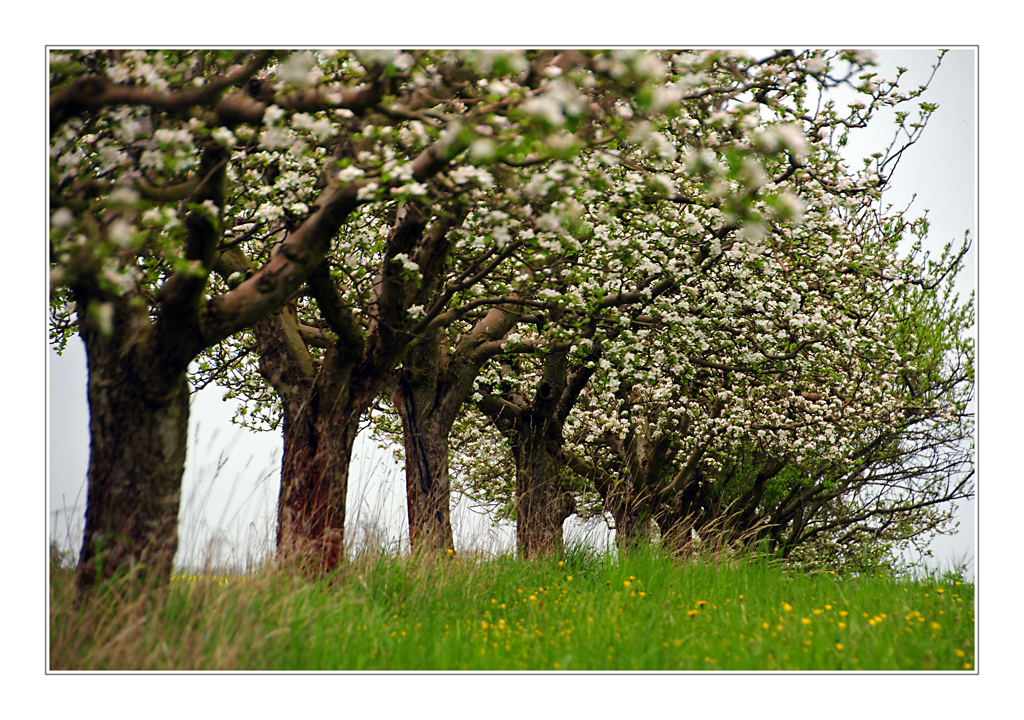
(591, 612)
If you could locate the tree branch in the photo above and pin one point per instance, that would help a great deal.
(95, 91)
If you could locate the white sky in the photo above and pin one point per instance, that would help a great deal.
(230, 510)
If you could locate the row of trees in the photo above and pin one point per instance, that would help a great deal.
(628, 282)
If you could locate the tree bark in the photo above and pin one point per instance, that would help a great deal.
(634, 526)
(542, 503)
(432, 386)
(425, 434)
(534, 430)
(318, 442)
(320, 426)
(139, 428)
(427, 483)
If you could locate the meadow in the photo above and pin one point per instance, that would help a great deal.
(590, 611)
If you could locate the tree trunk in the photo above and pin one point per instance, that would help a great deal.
(428, 490)
(634, 525)
(431, 387)
(534, 430)
(691, 510)
(542, 504)
(321, 422)
(314, 482)
(139, 428)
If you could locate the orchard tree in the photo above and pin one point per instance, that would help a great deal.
(411, 263)
(774, 349)
(897, 485)
(162, 161)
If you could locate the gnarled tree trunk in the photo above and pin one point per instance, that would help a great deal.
(139, 427)
(320, 428)
(534, 430)
(318, 441)
(431, 387)
(542, 503)
(425, 435)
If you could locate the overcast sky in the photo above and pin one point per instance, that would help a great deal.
(236, 503)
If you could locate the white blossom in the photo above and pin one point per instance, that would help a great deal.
(547, 108)
(406, 262)
(62, 218)
(120, 232)
(211, 207)
(224, 136)
(347, 175)
(793, 138)
(297, 69)
(481, 150)
(124, 195)
(272, 114)
(367, 191)
(269, 211)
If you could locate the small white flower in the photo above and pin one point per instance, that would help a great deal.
(792, 205)
(323, 129)
(120, 233)
(865, 57)
(548, 222)
(402, 173)
(498, 88)
(211, 207)
(793, 138)
(481, 150)
(664, 96)
(407, 263)
(297, 69)
(547, 108)
(349, 174)
(418, 189)
(124, 195)
(224, 136)
(272, 114)
(151, 159)
(62, 218)
(302, 121)
(463, 174)
(416, 311)
(274, 138)
(367, 191)
(269, 211)
(665, 182)
(815, 65)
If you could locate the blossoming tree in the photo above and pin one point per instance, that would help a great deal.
(773, 354)
(642, 267)
(510, 238)
(166, 166)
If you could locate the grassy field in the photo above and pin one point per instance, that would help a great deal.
(587, 612)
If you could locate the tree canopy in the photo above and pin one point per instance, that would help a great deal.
(648, 275)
